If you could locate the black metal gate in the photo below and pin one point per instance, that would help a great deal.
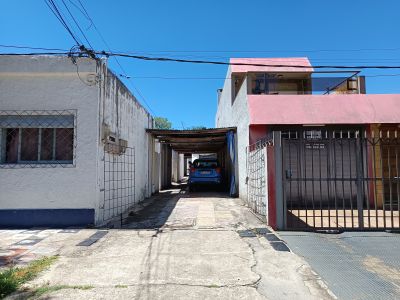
(341, 180)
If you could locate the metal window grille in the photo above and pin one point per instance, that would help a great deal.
(119, 180)
(37, 138)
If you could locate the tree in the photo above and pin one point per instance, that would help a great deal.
(162, 123)
(198, 127)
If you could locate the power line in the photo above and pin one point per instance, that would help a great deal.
(53, 7)
(38, 53)
(267, 51)
(219, 78)
(116, 59)
(165, 59)
(223, 57)
(77, 24)
(33, 48)
(210, 62)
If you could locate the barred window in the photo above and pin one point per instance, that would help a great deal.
(36, 139)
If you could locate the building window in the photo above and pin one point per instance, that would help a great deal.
(278, 84)
(36, 140)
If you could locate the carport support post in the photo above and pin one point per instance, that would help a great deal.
(279, 197)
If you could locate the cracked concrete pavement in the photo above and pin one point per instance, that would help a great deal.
(183, 246)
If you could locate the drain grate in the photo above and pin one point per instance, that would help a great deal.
(262, 230)
(246, 233)
(33, 240)
(280, 246)
(93, 238)
(272, 237)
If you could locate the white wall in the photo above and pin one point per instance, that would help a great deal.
(52, 83)
(123, 116)
(236, 115)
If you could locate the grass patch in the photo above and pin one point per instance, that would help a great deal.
(121, 286)
(13, 278)
(53, 288)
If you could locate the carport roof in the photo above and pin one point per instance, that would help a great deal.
(193, 141)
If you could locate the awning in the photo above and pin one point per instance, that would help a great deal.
(193, 141)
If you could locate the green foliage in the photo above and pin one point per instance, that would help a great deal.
(13, 278)
(198, 127)
(162, 123)
(8, 283)
(53, 288)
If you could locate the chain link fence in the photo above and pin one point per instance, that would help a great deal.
(37, 138)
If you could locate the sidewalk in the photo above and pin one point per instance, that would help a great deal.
(183, 246)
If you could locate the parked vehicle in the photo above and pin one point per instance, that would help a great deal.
(205, 171)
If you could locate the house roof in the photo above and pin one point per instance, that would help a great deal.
(324, 109)
(272, 65)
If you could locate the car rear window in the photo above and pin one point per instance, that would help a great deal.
(203, 164)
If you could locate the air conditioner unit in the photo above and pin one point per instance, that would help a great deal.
(115, 145)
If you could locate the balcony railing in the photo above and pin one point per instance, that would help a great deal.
(305, 83)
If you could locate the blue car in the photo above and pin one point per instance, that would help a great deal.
(205, 171)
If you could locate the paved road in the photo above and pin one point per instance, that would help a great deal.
(355, 265)
(183, 246)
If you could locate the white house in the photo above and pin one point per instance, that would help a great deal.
(73, 143)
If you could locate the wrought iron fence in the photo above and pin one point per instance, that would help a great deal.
(37, 138)
(256, 177)
(342, 180)
(119, 180)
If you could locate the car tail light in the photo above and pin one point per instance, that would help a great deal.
(218, 170)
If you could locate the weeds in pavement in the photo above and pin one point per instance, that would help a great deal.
(11, 279)
(53, 288)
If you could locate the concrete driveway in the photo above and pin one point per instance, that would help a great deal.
(355, 265)
(183, 246)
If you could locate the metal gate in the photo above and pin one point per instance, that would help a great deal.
(256, 177)
(119, 180)
(341, 180)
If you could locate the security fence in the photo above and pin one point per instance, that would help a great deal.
(256, 177)
(119, 180)
(341, 180)
(37, 138)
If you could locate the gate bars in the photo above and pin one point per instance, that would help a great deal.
(341, 180)
(119, 180)
(256, 178)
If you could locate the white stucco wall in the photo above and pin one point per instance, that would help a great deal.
(123, 116)
(236, 115)
(52, 83)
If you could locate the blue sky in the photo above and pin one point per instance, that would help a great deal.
(217, 30)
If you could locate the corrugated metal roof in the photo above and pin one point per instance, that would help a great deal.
(191, 141)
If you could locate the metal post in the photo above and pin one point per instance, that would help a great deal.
(279, 183)
(360, 190)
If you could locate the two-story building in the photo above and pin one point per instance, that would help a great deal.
(314, 150)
